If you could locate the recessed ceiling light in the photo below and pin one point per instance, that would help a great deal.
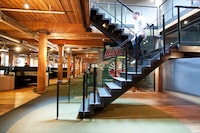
(18, 48)
(185, 22)
(26, 5)
(68, 49)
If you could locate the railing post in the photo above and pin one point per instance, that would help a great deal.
(84, 79)
(115, 11)
(153, 36)
(121, 15)
(116, 66)
(136, 53)
(126, 62)
(179, 26)
(57, 99)
(164, 33)
(94, 87)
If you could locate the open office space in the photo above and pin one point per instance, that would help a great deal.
(85, 66)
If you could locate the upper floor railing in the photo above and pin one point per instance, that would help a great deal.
(121, 14)
(168, 7)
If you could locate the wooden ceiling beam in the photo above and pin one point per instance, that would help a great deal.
(79, 43)
(55, 27)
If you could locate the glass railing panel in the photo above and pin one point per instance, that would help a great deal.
(168, 7)
(122, 15)
(190, 33)
(113, 12)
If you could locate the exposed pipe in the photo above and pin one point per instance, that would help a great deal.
(23, 43)
(12, 23)
(9, 38)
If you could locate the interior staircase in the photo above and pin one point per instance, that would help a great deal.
(112, 90)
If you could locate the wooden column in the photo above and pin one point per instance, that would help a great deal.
(42, 64)
(159, 79)
(0, 59)
(60, 63)
(69, 65)
(29, 59)
(11, 54)
(81, 65)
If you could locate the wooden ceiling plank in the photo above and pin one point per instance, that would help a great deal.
(69, 26)
(54, 5)
(69, 10)
(77, 10)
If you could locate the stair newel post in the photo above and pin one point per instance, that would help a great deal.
(136, 53)
(164, 33)
(153, 34)
(94, 87)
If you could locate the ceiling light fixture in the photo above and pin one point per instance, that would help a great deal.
(17, 48)
(68, 49)
(26, 5)
(185, 22)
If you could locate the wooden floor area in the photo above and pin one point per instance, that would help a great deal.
(12, 99)
(183, 107)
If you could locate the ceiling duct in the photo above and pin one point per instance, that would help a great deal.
(17, 42)
(11, 22)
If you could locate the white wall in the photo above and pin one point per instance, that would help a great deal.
(182, 75)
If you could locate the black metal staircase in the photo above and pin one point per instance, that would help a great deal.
(103, 96)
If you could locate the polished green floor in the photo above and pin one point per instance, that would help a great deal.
(122, 116)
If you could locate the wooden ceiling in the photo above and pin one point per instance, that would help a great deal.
(66, 20)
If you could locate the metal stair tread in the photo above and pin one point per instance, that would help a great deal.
(103, 92)
(87, 107)
(133, 73)
(97, 99)
(122, 79)
(113, 86)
